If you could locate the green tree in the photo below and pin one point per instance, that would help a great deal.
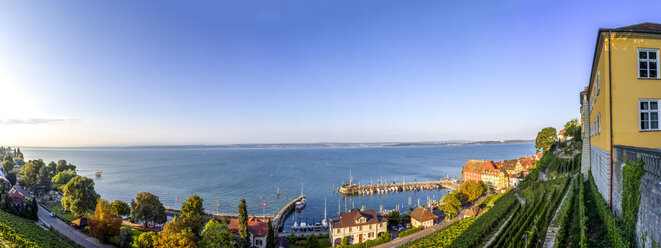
(146, 240)
(451, 205)
(52, 167)
(30, 172)
(125, 238)
(12, 178)
(19, 154)
(311, 242)
(62, 166)
(176, 234)
(8, 164)
(270, 237)
(472, 190)
(545, 139)
(573, 128)
(292, 238)
(62, 178)
(148, 208)
(192, 213)
(44, 184)
(104, 223)
(216, 235)
(79, 195)
(244, 235)
(120, 208)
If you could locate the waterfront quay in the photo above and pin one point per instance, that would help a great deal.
(355, 189)
(278, 220)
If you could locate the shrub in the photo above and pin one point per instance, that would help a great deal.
(410, 231)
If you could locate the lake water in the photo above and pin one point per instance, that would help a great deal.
(227, 174)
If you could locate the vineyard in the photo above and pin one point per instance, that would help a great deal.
(530, 222)
(25, 233)
(443, 237)
(479, 232)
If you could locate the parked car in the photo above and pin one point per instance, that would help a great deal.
(394, 227)
(408, 225)
(400, 227)
(52, 214)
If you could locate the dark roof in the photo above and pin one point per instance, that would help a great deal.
(422, 214)
(349, 219)
(645, 27)
(509, 164)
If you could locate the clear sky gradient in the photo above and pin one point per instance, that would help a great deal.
(77, 73)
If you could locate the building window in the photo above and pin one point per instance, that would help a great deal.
(648, 63)
(598, 81)
(649, 115)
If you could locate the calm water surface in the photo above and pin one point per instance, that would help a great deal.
(227, 175)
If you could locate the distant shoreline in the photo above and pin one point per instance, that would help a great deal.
(313, 145)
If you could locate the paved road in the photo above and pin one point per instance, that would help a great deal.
(443, 223)
(68, 230)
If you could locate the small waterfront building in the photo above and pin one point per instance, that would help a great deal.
(358, 225)
(562, 136)
(473, 169)
(258, 231)
(423, 217)
(512, 166)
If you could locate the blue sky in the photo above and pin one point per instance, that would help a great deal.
(76, 73)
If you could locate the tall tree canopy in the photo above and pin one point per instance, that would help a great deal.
(146, 240)
(104, 223)
(148, 208)
(35, 175)
(573, 128)
(120, 208)
(62, 178)
(79, 195)
(176, 234)
(472, 190)
(545, 139)
(216, 235)
(62, 166)
(244, 235)
(8, 164)
(192, 213)
(451, 205)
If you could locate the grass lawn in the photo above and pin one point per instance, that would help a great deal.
(58, 210)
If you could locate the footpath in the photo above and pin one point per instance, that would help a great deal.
(493, 237)
(551, 232)
(429, 230)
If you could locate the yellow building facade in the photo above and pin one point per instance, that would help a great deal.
(620, 107)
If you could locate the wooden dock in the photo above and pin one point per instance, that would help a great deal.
(355, 189)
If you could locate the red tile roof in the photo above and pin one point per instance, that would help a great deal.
(255, 227)
(562, 132)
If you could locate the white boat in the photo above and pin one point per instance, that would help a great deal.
(317, 227)
(300, 204)
(295, 226)
(303, 226)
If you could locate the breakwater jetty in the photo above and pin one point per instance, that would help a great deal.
(355, 189)
(278, 220)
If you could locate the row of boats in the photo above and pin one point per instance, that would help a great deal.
(303, 226)
(385, 190)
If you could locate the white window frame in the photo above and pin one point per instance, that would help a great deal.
(598, 81)
(649, 111)
(647, 61)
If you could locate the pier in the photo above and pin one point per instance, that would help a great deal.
(355, 189)
(279, 219)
